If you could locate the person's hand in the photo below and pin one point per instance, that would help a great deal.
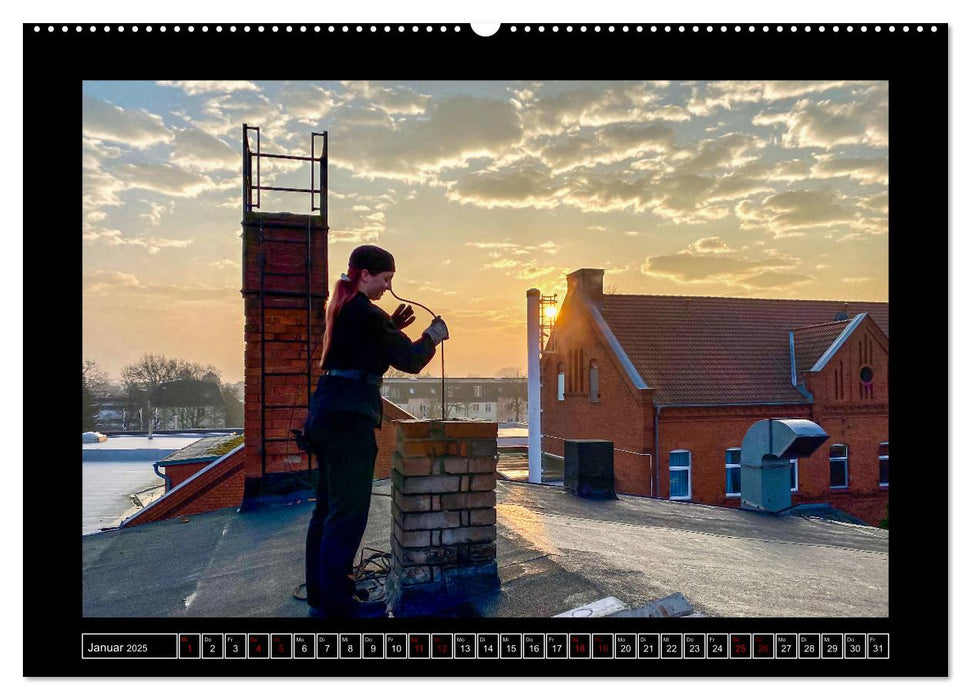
(437, 331)
(403, 316)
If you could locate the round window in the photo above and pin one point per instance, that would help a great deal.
(866, 375)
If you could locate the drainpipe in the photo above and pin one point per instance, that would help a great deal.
(168, 481)
(656, 485)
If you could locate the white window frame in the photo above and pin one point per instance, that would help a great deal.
(733, 466)
(687, 469)
(880, 460)
(846, 466)
(560, 384)
(477, 390)
(794, 465)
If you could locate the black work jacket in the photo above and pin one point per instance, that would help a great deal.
(365, 338)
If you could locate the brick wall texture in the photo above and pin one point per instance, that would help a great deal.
(178, 473)
(284, 292)
(217, 485)
(443, 505)
(387, 439)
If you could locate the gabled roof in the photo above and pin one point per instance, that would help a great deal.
(722, 350)
(810, 342)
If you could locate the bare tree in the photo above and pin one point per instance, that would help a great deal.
(145, 378)
(94, 382)
(95, 378)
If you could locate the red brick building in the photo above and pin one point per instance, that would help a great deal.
(675, 382)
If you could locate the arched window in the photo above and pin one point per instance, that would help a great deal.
(560, 381)
(680, 472)
(594, 381)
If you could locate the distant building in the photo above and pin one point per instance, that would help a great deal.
(112, 413)
(179, 405)
(675, 382)
(190, 403)
(499, 399)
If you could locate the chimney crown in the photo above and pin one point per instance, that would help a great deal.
(587, 281)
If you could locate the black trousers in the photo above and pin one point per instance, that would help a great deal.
(345, 451)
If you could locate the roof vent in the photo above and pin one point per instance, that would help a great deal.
(842, 315)
(767, 447)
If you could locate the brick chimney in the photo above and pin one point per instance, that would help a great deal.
(284, 291)
(443, 541)
(588, 282)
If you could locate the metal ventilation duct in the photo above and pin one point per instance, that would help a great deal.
(766, 450)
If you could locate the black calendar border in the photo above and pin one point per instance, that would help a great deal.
(914, 62)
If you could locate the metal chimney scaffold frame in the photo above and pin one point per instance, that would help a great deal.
(270, 297)
(546, 323)
(250, 157)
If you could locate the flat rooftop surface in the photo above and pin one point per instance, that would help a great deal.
(555, 552)
(113, 470)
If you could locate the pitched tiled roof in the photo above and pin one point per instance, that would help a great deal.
(204, 448)
(720, 350)
(810, 342)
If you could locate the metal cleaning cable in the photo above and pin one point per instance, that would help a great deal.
(434, 315)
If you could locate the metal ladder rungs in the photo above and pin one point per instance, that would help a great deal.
(285, 294)
(300, 340)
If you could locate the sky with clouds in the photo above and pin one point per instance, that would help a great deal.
(481, 190)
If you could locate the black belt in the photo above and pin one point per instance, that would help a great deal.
(355, 374)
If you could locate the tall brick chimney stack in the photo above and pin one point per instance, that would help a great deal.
(284, 292)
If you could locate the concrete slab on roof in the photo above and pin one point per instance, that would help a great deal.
(555, 552)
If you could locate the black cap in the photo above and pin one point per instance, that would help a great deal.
(371, 258)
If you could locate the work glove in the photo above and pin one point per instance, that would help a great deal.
(437, 331)
(403, 316)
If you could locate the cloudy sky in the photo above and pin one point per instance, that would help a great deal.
(481, 190)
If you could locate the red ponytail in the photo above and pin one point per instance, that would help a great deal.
(343, 291)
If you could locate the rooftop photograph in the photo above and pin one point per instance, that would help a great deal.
(666, 386)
